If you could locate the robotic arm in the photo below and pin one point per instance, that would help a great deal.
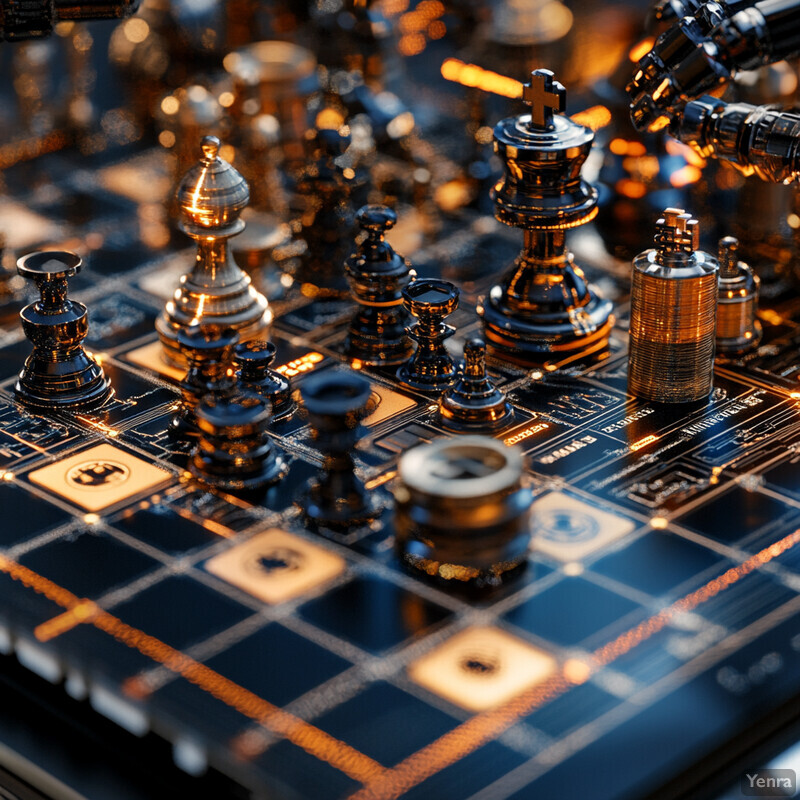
(34, 19)
(697, 55)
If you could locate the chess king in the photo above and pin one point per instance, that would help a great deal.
(543, 307)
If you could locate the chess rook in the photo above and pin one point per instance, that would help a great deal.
(211, 196)
(335, 403)
(461, 511)
(377, 333)
(544, 307)
(58, 374)
(673, 315)
(430, 369)
(234, 452)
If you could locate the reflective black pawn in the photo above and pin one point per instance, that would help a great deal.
(252, 362)
(474, 403)
(336, 402)
(430, 369)
(209, 353)
(377, 275)
(234, 452)
(58, 374)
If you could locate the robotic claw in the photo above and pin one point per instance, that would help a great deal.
(695, 57)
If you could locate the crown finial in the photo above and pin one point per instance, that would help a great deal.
(544, 95)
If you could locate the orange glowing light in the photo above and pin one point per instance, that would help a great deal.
(631, 188)
(685, 176)
(303, 364)
(594, 118)
(643, 442)
(640, 50)
(453, 69)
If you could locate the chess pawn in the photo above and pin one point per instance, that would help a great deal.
(430, 369)
(208, 352)
(254, 374)
(378, 275)
(327, 218)
(234, 452)
(211, 196)
(474, 403)
(336, 402)
(543, 306)
(58, 374)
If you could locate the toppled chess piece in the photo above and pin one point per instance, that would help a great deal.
(673, 315)
(58, 374)
(462, 513)
(378, 275)
(543, 306)
(336, 402)
(430, 369)
(474, 403)
(738, 328)
(211, 196)
(254, 374)
(208, 351)
(327, 218)
(234, 452)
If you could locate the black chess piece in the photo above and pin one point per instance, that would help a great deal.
(327, 218)
(254, 374)
(208, 351)
(474, 403)
(378, 275)
(58, 374)
(544, 307)
(336, 402)
(430, 369)
(234, 452)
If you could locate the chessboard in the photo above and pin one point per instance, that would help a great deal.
(650, 642)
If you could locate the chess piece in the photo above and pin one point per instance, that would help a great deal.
(58, 374)
(211, 196)
(378, 275)
(461, 511)
(327, 218)
(208, 351)
(430, 369)
(543, 306)
(234, 452)
(673, 315)
(335, 403)
(738, 328)
(252, 362)
(474, 403)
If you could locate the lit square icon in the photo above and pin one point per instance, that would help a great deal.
(480, 668)
(385, 403)
(568, 529)
(150, 356)
(276, 566)
(100, 477)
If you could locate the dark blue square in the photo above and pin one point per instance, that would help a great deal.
(373, 613)
(658, 562)
(162, 528)
(571, 611)
(26, 515)
(580, 705)
(386, 723)
(88, 564)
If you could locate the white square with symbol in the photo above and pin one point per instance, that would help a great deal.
(480, 668)
(568, 529)
(276, 566)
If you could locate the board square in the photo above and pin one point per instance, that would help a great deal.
(480, 668)
(100, 477)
